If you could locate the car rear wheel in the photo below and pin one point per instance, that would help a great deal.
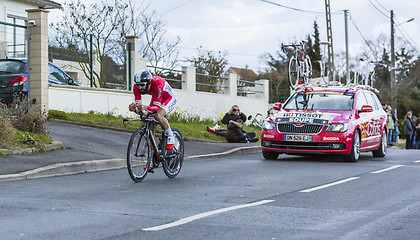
(270, 155)
(355, 149)
(381, 151)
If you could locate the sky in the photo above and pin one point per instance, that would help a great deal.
(248, 29)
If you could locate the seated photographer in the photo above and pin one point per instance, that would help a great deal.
(234, 119)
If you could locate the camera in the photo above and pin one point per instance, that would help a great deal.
(32, 23)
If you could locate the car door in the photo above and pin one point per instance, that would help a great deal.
(377, 119)
(364, 119)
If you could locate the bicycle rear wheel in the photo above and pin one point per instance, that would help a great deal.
(173, 162)
(308, 70)
(293, 72)
(138, 155)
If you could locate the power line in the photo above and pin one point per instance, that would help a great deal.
(176, 7)
(297, 9)
(386, 10)
(378, 11)
(367, 43)
(407, 37)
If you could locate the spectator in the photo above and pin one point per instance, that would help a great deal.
(414, 142)
(235, 119)
(417, 134)
(409, 130)
(391, 125)
(396, 130)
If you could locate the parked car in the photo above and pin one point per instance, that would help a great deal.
(14, 76)
(327, 120)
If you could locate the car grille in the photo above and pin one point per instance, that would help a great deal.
(306, 128)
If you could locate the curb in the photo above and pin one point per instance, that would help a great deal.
(53, 146)
(63, 169)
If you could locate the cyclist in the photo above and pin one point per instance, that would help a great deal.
(163, 100)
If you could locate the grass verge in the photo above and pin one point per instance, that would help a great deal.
(191, 127)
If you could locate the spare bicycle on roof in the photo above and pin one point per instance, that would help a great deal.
(300, 66)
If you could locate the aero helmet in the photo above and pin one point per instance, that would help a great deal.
(143, 77)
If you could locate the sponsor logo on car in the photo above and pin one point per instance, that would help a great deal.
(268, 136)
(330, 139)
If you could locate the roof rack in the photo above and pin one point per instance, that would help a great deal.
(350, 86)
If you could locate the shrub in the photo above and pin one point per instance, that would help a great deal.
(55, 114)
(33, 121)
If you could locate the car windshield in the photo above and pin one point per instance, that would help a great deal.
(333, 101)
(11, 67)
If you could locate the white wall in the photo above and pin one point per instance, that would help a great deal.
(206, 105)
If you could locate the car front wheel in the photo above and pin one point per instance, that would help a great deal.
(355, 148)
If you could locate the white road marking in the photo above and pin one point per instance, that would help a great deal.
(418, 161)
(387, 169)
(328, 185)
(203, 215)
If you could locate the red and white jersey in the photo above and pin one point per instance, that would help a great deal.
(163, 96)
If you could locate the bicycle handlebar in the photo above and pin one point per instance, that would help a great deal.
(144, 115)
(294, 46)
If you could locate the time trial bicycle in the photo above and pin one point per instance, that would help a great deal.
(300, 66)
(144, 153)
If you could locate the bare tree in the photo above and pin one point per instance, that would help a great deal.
(109, 22)
(153, 43)
(211, 64)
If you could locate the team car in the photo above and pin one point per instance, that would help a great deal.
(339, 120)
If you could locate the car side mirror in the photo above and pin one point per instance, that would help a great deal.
(277, 106)
(249, 117)
(70, 81)
(366, 108)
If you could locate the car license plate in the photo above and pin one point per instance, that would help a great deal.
(298, 138)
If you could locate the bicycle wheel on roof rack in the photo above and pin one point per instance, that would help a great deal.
(293, 72)
(308, 70)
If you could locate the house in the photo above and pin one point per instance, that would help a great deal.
(245, 78)
(243, 73)
(13, 21)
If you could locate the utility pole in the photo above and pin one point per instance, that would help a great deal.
(329, 39)
(347, 46)
(393, 85)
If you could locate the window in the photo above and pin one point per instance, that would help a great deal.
(56, 74)
(16, 37)
(371, 100)
(333, 101)
(361, 100)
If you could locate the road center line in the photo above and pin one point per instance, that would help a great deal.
(203, 215)
(328, 185)
(418, 161)
(387, 169)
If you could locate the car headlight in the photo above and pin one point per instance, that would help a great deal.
(337, 127)
(267, 125)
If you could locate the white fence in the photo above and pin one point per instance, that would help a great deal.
(203, 104)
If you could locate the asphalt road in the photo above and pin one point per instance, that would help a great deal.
(87, 143)
(236, 197)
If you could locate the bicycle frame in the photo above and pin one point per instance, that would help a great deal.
(150, 122)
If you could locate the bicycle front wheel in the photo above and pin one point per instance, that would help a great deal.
(138, 155)
(173, 162)
(293, 72)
